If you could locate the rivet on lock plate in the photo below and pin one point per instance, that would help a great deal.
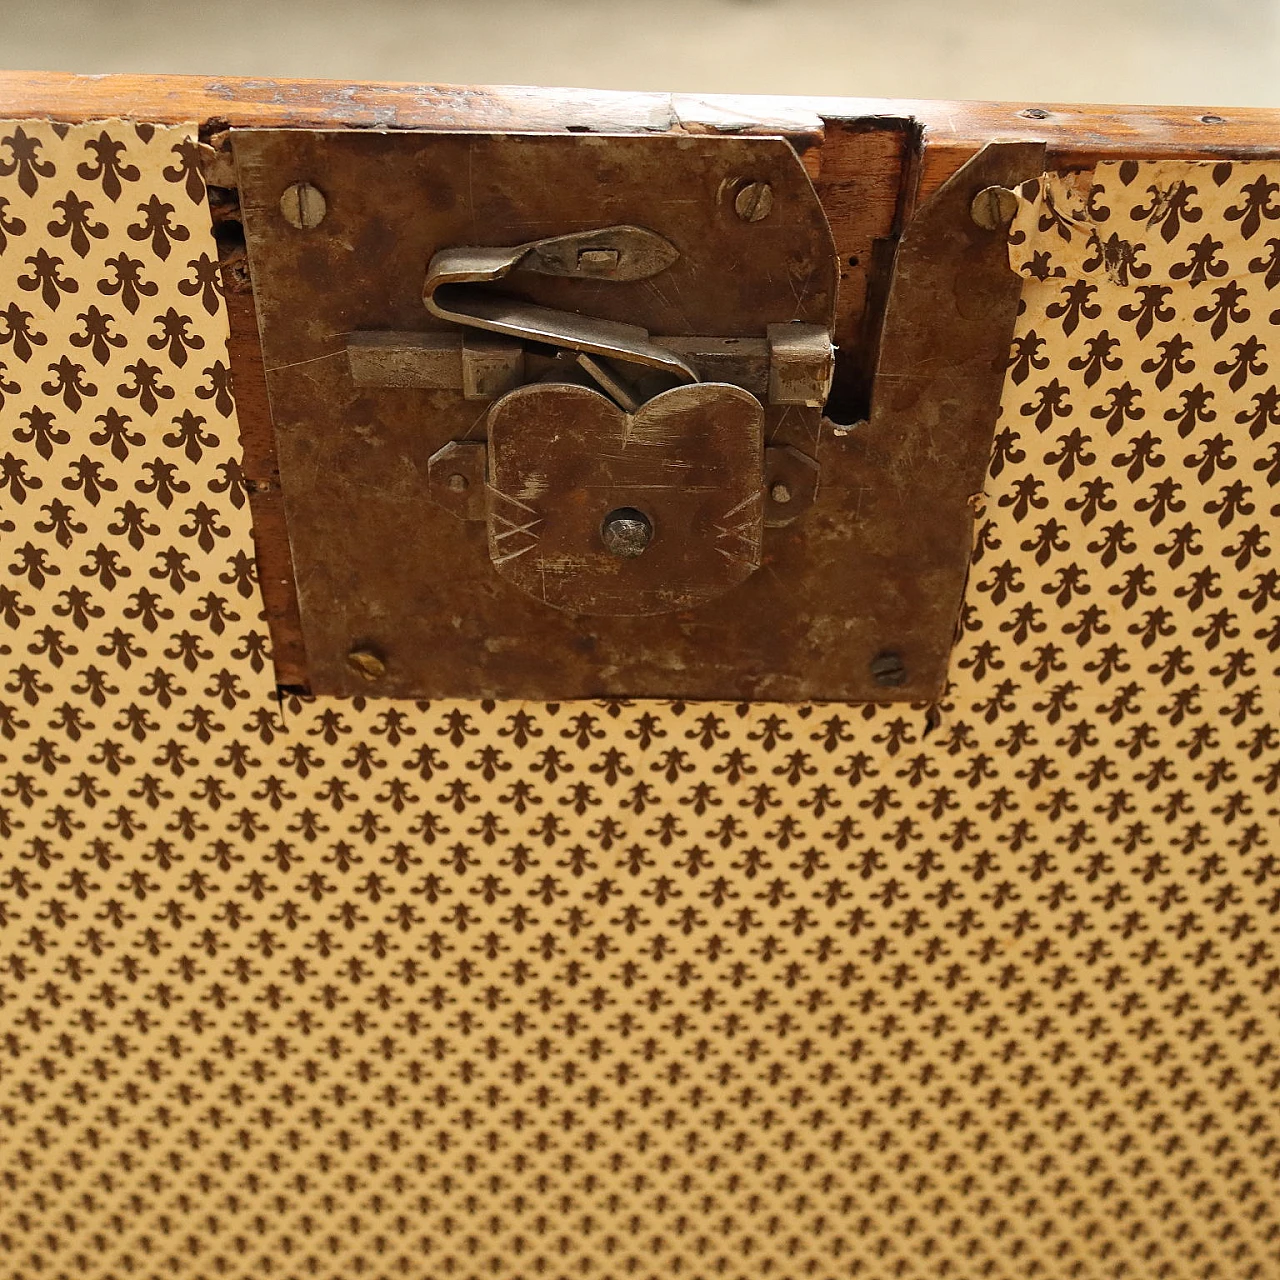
(548, 413)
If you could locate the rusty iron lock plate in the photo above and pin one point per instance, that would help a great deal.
(465, 511)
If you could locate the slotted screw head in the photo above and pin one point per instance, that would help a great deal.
(754, 202)
(994, 207)
(888, 669)
(303, 206)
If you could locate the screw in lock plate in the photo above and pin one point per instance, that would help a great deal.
(754, 202)
(994, 208)
(888, 670)
(626, 532)
(367, 664)
(303, 206)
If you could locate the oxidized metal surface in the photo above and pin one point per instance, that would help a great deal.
(944, 347)
(561, 458)
(376, 561)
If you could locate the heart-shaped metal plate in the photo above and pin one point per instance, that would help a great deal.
(562, 458)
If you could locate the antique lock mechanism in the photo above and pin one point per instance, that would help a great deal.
(621, 473)
(548, 410)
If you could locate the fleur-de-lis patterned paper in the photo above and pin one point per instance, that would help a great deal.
(337, 989)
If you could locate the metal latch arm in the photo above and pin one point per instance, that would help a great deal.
(452, 292)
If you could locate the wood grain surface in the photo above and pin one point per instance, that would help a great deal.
(1077, 135)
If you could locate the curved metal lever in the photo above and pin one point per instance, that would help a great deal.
(619, 253)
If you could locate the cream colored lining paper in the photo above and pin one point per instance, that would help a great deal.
(363, 989)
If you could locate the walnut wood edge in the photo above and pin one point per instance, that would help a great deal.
(1076, 135)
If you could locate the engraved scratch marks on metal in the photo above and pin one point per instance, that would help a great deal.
(738, 532)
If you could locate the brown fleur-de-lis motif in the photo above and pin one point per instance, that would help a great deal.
(1245, 362)
(156, 225)
(86, 476)
(40, 431)
(1098, 355)
(77, 223)
(46, 276)
(19, 333)
(1202, 262)
(1172, 360)
(1024, 356)
(1226, 309)
(1264, 413)
(318, 954)
(1255, 205)
(68, 382)
(96, 334)
(24, 160)
(163, 480)
(174, 338)
(190, 436)
(1052, 401)
(106, 166)
(1150, 308)
(187, 169)
(206, 281)
(218, 389)
(1075, 306)
(115, 434)
(145, 385)
(1193, 410)
(10, 225)
(127, 282)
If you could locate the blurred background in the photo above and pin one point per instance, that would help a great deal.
(1193, 52)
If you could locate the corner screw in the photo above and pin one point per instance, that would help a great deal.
(780, 492)
(366, 664)
(888, 670)
(754, 201)
(303, 206)
(994, 208)
(457, 483)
